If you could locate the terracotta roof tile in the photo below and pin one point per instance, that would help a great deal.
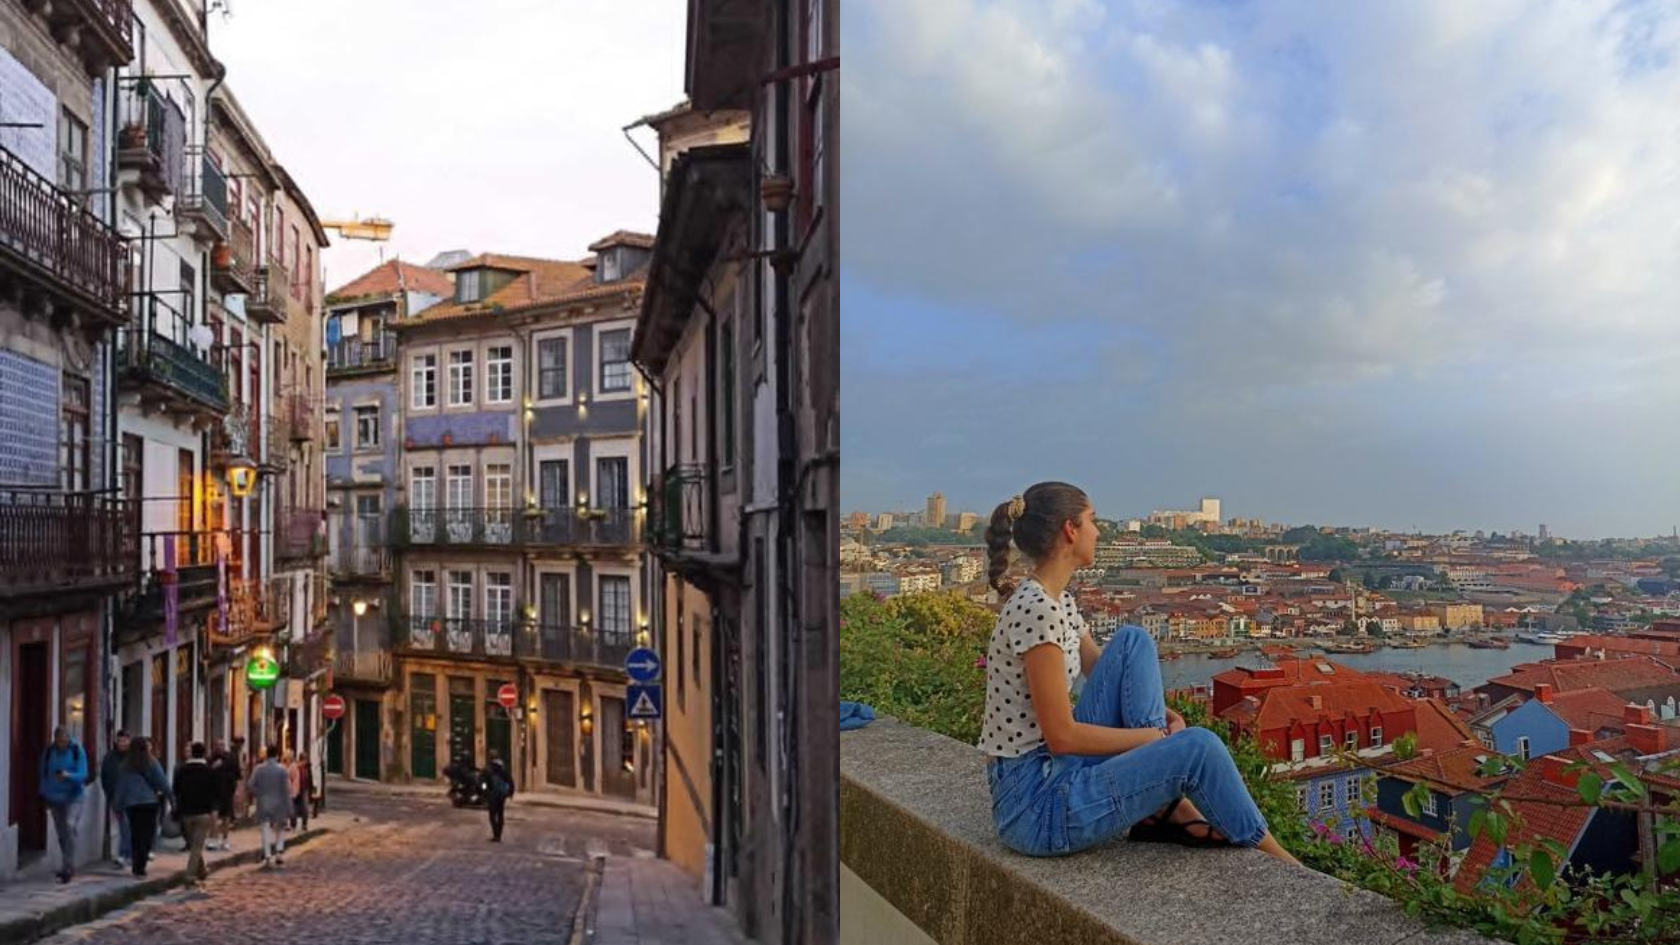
(1589, 709)
(623, 238)
(1284, 705)
(1569, 675)
(1455, 769)
(539, 282)
(1535, 820)
(1438, 727)
(1403, 825)
(393, 276)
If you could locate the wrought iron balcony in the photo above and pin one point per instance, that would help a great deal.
(152, 140)
(161, 369)
(232, 263)
(362, 354)
(204, 206)
(255, 609)
(490, 639)
(53, 542)
(365, 554)
(500, 527)
(602, 649)
(184, 559)
(238, 436)
(363, 666)
(101, 31)
(301, 415)
(459, 636)
(679, 521)
(267, 303)
(48, 240)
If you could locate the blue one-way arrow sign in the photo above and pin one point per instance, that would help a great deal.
(644, 701)
(642, 664)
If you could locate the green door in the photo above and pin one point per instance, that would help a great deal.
(498, 732)
(422, 738)
(368, 732)
(463, 720)
(335, 747)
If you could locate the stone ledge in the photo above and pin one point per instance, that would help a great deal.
(916, 828)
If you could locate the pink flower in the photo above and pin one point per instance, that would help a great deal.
(1335, 839)
(1405, 866)
(980, 663)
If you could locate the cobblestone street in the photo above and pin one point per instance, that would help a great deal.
(416, 871)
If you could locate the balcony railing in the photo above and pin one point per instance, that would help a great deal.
(514, 527)
(679, 523)
(59, 541)
(267, 303)
(232, 265)
(474, 637)
(196, 575)
(300, 415)
(152, 362)
(300, 534)
(255, 608)
(362, 666)
(102, 30)
(239, 436)
(45, 234)
(360, 354)
(205, 203)
(153, 137)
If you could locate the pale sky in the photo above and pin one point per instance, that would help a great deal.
(1396, 263)
(492, 125)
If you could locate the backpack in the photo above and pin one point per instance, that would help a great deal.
(81, 758)
(501, 786)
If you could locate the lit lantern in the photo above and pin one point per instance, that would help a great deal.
(242, 475)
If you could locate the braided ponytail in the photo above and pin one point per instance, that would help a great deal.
(998, 536)
(1031, 521)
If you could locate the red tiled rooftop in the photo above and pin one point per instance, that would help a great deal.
(1532, 795)
(1282, 706)
(392, 277)
(1438, 728)
(1570, 675)
(539, 282)
(1589, 709)
(623, 238)
(1455, 769)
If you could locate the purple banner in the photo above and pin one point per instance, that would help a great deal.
(171, 592)
(221, 583)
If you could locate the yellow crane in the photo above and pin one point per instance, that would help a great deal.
(373, 228)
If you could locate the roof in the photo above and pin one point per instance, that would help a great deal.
(1294, 672)
(1589, 709)
(392, 277)
(1283, 706)
(1453, 770)
(622, 238)
(1569, 675)
(1438, 727)
(1403, 825)
(539, 282)
(1534, 819)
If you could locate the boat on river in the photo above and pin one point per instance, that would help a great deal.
(1224, 654)
(1491, 643)
(1407, 644)
(1333, 647)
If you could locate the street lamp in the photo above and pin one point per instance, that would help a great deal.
(359, 607)
(242, 475)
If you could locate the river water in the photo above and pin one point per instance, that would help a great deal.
(1462, 664)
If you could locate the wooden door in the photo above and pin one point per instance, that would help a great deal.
(561, 711)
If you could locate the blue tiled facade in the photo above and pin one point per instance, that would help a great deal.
(477, 428)
(1343, 790)
(1535, 721)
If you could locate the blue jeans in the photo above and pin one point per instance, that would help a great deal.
(125, 846)
(1049, 805)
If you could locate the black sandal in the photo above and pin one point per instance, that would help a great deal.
(1183, 835)
(1156, 828)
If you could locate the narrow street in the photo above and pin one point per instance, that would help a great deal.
(415, 871)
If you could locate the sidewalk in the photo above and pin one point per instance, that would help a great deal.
(34, 908)
(539, 798)
(652, 902)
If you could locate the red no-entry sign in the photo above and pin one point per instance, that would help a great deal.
(332, 707)
(508, 695)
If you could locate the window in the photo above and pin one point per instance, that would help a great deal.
(1351, 742)
(553, 487)
(292, 267)
(1350, 791)
(556, 603)
(498, 597)
(1324, 743)
(467, 285)
(77, 454)
(460, 378)
(460, 595)
(615, 361)
(422, 488)
(1429, 804)
(1485, 737)
(333, 437)
(551, 369)
(189, 296)
(727, 342)
(612, 482)
(498, 374)
(1297, 750)
(1522, 747)
(1351, 832)
(460, 487)
(424, 381)
(615, 606)
(367, 427)
(1301, 797)
(498, 486)
(609, 265)
(72, 154)
(1376, 735)
(423, 594)
(1326, 795)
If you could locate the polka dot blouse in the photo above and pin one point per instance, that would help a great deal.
(1031, 617)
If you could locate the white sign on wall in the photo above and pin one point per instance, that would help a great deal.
(25, 101)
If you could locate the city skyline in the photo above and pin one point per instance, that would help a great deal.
(1213, 247)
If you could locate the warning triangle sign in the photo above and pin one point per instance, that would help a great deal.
(644, 706)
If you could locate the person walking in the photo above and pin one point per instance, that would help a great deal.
(241, 768)
(500, 788)
(109, 768)
(64, 771)
(305, 790)
(271, 787)
(198, 791)
(225, 767)
(289, 762)
(141, 789)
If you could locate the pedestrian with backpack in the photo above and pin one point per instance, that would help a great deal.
(64, 772)
(500, 788)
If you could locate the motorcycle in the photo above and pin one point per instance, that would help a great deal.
(467, 785)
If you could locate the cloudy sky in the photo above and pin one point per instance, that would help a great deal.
(1408, 263)
(492, 125)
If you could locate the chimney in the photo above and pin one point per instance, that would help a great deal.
(1635, 714)
(1317, 702)
(1557, 772)
(1648, 739)
(1543, 692)
(1579, 737)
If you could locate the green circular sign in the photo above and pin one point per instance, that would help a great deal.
(261, 672)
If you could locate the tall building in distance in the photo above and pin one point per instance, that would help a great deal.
(935, 511)
(1545, 533)
(1207, 514)
(966, 521)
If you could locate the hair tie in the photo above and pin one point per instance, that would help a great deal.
(1017, 508)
